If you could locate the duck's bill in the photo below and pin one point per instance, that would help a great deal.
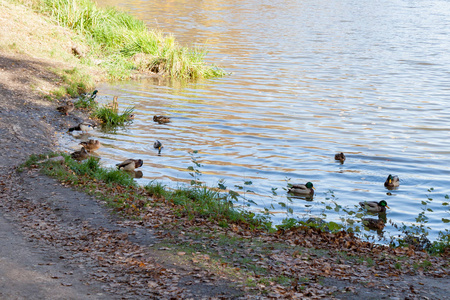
(388, 207)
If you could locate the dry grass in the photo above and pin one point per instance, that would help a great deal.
(27, 34)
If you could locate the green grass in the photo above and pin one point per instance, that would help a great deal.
(111, 118)
(74, 82)
(195, 201)
(124, 44)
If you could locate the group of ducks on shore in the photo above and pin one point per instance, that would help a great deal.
(392, 181)
(89, 146)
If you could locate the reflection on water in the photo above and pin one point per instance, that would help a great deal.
(309, 79)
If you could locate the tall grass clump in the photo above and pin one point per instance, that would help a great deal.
(111, 118)
(125, 43)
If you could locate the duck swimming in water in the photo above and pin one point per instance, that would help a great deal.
(340, 157)
(130, 164)
(158, 145)
(392, 181)
(374, 207)
(161, 119)
(302, 189)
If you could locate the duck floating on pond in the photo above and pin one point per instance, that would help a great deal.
(302, 189)
(130, 164)
(340, 157)
(392, 181)
(161, 119)
(374, 207)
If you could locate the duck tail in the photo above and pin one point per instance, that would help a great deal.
(74, 128)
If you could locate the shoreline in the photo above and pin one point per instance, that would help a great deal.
(65, 238)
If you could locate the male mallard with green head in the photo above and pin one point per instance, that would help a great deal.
(158, 145)
(374, 207)
(302, 189)
(392, 181)
(66, 109)
(340, 157)
(161, 119)
(130, 164)
(91, 145)
(80, 154)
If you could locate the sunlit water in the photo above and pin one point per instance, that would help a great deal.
(309, 79)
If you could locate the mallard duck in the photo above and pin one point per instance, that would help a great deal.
(340, 157)
(91, 145)
(158, 145)
(374, 207)
(130, 164)
(302, 189)
(84, 127)
(392, 181)
(80, 154)
(66, 109)
(372, 223)
(161, 119)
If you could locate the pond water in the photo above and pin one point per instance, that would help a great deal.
(308, 79)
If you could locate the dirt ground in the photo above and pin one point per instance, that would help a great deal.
(58, 243)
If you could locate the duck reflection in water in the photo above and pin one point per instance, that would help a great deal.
(374, 224)
(135, 174)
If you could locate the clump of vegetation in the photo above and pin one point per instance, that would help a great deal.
(87, 101)
(110, 117)
(123, 44)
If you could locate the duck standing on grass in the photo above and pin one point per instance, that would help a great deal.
(84, 127)
(392, 181)
(80, 154)
(66, 109)
(374, 207)
(302, 189)
(340, 157)
(91, 145)
(130, 164)
(158, 145)
(161, 119)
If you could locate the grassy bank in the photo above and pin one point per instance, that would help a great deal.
(122, 44)
(82, 44)
(120, 191)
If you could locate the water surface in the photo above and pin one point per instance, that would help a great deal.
(308, 79)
